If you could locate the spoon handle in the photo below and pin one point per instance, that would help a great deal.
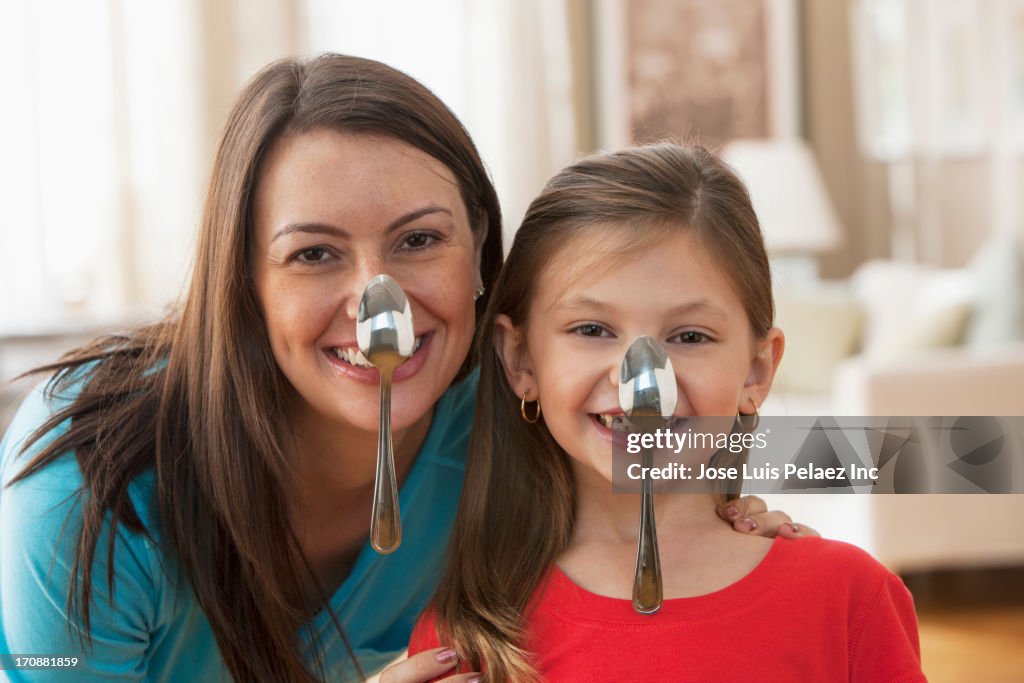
(386, 519)
(647, 593)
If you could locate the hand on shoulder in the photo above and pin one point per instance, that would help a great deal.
(751, 515)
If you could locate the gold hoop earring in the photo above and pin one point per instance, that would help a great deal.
(757, 418)
(522, 409)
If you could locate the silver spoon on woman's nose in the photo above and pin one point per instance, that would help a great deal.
(647, 394)
(385, 335)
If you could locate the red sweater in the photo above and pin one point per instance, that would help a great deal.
(812, 610)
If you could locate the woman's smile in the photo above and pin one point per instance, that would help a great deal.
(349, 360)
(332, 211)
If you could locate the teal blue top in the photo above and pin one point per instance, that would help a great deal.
(153, 629)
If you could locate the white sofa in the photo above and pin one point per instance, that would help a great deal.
(883, 344)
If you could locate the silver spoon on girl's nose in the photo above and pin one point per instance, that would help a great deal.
(385, 336)
(647, 394)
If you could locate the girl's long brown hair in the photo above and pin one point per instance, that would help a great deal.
(198, 396)
(517, 509)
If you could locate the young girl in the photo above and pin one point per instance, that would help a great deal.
(659, 240)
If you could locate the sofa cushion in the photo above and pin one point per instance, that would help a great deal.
(998, 273)
(822, 326)
(910, 308)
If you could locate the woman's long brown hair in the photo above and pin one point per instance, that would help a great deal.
(198, 396)
(517, 509)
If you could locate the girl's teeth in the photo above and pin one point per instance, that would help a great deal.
(614, 422)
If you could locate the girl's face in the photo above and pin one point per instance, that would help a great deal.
(332, 210)
(582, 320)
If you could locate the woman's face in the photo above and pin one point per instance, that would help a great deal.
(584, 316)
(332, 210)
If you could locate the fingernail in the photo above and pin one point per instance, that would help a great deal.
(794, 527)
(747, 524)
(731, 512)
(446, 656)
(476, 679)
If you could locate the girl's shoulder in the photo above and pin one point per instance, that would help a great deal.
(828, 555)
(836, 569)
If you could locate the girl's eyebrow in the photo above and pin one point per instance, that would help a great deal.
(700, 306)
(697, 306)
(583, 302)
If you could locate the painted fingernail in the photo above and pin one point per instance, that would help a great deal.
(747, 524)
(446, 656)
(731, 512)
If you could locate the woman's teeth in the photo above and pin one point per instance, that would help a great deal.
(353, 356)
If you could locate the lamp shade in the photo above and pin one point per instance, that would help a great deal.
(792, 205)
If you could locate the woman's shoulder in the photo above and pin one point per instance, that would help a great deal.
(459, 400)
(41, 516)
(448, 440)
(42, 403)
(46, 495)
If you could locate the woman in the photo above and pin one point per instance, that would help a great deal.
(192, 499)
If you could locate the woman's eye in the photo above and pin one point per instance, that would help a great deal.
(691, 337)
(591, 330)
(418, 240)
(312, 256)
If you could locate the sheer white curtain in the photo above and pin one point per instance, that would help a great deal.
(939, 97)
(103, 142)
(503, 66)
(111, 109)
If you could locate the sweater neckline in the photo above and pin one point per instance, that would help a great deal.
(567, 600)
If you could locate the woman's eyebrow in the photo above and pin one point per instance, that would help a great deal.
(418, 213)
(312, 228)
(325, 229)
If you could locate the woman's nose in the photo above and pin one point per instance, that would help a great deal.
(365, 268)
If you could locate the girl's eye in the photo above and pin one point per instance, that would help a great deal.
(312, 256)
(591, 330)
(691, 337)
(418, 240)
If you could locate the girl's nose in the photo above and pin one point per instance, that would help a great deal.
(615, 370)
